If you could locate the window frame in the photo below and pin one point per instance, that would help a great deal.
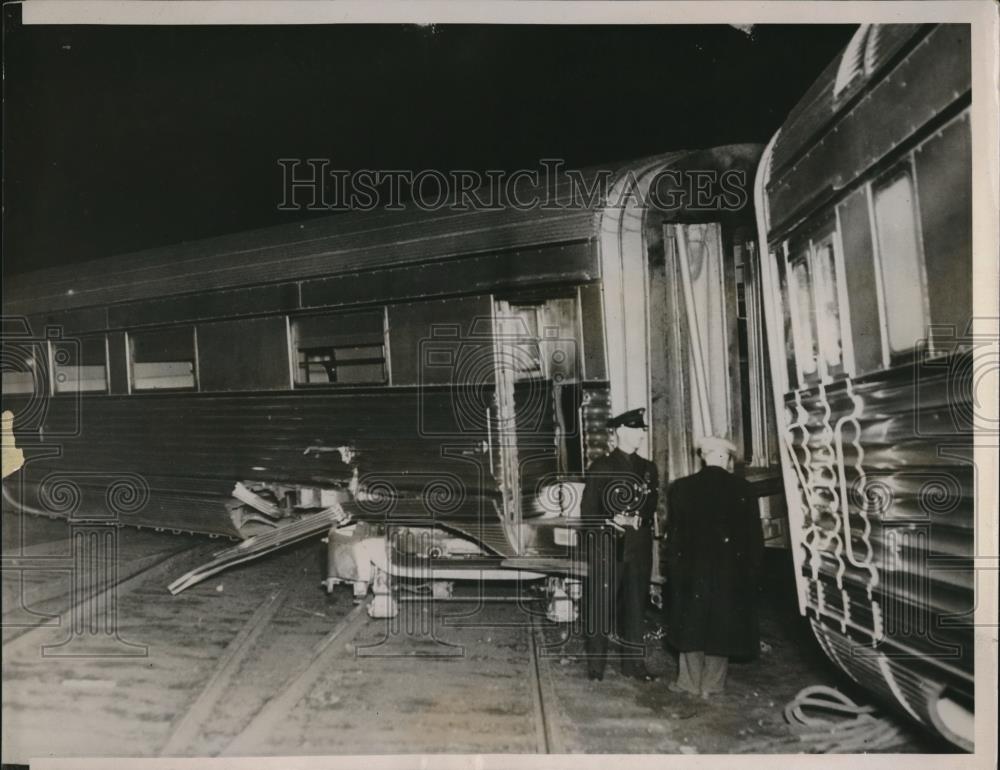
(807, 246)
(787, 379)
(53, 373)
(293, 350)
(795, 255)
(903, 167)
(827, 232)
(130, 336)
(42, 367)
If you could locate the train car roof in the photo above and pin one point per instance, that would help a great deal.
(837, 132)
(865, 56)
(346, 242)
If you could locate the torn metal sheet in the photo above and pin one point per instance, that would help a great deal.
(255, 501)
(260, 545)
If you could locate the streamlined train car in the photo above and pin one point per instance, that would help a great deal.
(864, 207)
(431, 382)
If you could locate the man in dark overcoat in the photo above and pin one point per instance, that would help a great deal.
(618, 507)
(714, 551)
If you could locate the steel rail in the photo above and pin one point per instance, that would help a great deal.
(187, 727)
(548, 735)
(255, 734)
(118, 589)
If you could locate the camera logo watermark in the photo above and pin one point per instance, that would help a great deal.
(493, 381)
(94, 504)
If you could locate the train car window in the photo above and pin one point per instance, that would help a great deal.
(827, 292)
(524, 351)
(860, 282)
(243, 354)
(442, 342)
(340, 348)
(24, 369)
(803, 316)
(786, 311)
(18, 383)
(80, 365)
(544, 340)
(900, 260)
(118, 363)
(591, 329)
(163, 359)
(944, 184)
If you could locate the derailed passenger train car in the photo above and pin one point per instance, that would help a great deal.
(864, 204)
(431, 384)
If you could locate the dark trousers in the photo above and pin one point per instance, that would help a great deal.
(615, 591)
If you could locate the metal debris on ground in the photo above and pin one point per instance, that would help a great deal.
(264, 543)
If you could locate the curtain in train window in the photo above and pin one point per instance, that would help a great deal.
(831, 342)
(787, 336)
(80, 365)
(803, 315)
(900, 262)
(340, 348)
(163, 359)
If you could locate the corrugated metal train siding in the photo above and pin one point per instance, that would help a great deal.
(189, 450)
(919, 503)
(190, 443)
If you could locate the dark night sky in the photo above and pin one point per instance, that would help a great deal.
(123, 138)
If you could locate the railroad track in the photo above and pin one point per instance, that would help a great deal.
(68, 607)
(259, 661)
(307, 690)
(550, 734)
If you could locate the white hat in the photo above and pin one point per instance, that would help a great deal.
(716, 444)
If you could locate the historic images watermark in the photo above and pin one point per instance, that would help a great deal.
(314, 184)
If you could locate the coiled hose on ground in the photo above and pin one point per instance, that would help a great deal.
(825, 721)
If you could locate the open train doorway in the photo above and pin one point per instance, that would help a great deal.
(707, 358)
(536, 431)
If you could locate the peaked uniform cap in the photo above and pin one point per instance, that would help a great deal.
(634, 418)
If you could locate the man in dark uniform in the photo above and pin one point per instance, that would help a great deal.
(714, 551)
(618, 506)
